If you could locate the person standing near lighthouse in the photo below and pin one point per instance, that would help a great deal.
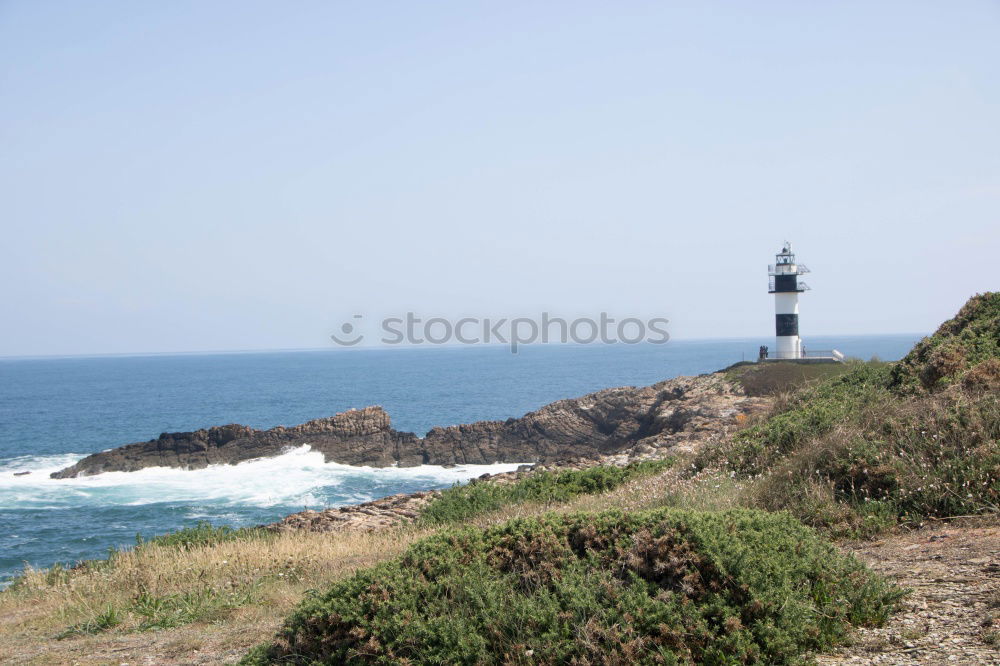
(786, 286)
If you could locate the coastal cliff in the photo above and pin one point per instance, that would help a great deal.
(628, 420)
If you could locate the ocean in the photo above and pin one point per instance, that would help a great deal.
(53, 411)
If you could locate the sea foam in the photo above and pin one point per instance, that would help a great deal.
(299, 477)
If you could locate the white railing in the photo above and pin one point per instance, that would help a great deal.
(802, 286)
(806, 354)
(797, 269)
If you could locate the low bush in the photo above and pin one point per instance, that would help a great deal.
(460, 503)
(659, 587)
(959, 345)
(810, 413)
(928, 457)
(204, 534)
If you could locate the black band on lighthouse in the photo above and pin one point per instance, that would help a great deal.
(785, 283)
(786, 324)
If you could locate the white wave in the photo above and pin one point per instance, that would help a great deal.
(298, 478)
(38, 464)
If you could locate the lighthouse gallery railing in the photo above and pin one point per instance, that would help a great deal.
(810, 353)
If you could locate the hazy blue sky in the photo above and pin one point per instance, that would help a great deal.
(235, 175)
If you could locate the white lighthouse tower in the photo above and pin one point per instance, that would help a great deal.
(786, 287)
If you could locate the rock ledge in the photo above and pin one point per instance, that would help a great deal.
(625, 421)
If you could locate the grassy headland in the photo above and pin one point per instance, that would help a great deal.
(884, 443)
(587, 564)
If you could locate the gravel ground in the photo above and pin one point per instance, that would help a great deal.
(952, 615)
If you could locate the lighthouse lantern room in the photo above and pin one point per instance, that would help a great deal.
(786, 286)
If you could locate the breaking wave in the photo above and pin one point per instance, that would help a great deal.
(298, 478)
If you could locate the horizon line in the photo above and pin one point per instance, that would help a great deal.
(408, 347)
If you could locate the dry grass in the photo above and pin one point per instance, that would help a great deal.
(264, 579)
(768, 379)
(675, 487)
(277, 572)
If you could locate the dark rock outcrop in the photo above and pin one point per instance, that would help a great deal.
(593, 426)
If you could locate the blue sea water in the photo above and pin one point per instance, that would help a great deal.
(53, 411)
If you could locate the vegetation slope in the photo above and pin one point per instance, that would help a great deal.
(885, 443)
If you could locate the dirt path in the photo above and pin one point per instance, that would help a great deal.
(952, 615)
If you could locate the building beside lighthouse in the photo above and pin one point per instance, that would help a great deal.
(786, 285)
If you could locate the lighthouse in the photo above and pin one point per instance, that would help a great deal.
(784, 283)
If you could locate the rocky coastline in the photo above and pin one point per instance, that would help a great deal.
(629, 422)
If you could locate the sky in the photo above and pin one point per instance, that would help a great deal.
(191, 176)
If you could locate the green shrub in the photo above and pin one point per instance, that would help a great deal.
(810, 413)
(859, 458)
(461, 503)
(959, 345)
(203, 534)
(930, 457)
(664, 587)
